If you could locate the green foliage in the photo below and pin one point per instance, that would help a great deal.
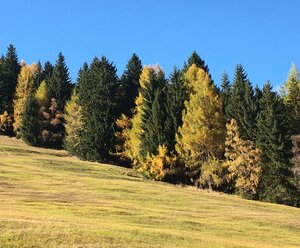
(175, 97)
(195, 59)
(30, 125)
(243, 105)
(153, 112)
(129, 84)
(9, 71)
(97, 97)
(59, 83)
(225, 94)
(273, 138)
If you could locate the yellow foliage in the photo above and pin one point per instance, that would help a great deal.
(24, 87)
(202, 134)
(41, 94)
(73, 122)
(212, 173)
(124, 124)
(156, 166)
(6, 123)
(132, 133)
(242, 160)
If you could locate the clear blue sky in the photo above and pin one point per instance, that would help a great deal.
(263, 35)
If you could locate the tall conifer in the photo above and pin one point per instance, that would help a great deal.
(97, 97)
(129, 84)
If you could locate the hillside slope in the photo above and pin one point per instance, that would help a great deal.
(49, 199)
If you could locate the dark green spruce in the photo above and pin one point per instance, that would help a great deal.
(30, 123)
(59, 84)
(176, 94)
(10, 69)
(273, 138)
(154, 113)
(97, 97)
(225, 93)
(243, 105)
(129, 85)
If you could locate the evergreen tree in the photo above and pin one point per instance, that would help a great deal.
(24, 88)
(225, 95)
(176, 96)
(273, 138)
(47, 70)
(59, 83)
(30, 124)
(243, 107)
(153, 113)
(97, 97)
(201, 137)
(10, 69)
(129, 84)
(195, 59)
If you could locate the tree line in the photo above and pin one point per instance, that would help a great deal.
(182, 129)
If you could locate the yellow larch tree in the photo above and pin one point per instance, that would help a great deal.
(201, 137)
(242, 161)
(24, 87)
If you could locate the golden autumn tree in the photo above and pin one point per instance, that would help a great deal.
(73, 124)
(25, 85)
(157, 166)
(41, 94)
(242, 161)
(202, 134)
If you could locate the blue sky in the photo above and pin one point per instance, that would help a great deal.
(262, 35)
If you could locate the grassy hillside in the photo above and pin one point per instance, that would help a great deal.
(49, 199)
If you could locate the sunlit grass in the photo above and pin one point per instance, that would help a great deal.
(50, 199)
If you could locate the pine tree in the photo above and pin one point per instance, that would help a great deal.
(225, 95)
(195, 59)
(98, 113)
(176, 96)
(30, 125)
(47, 70)
(153, 113)
(59, 83)
(10, 69)
(273, 138)
(202, 134)
(129, 84)
(243, 107)
(24, 88)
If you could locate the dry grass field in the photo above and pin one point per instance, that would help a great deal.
(50, 199)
